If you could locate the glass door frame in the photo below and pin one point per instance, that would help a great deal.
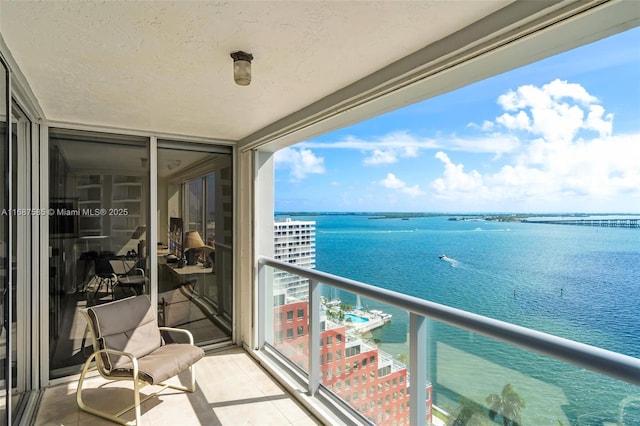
(26, 254)
(20, 304)
(6, 191)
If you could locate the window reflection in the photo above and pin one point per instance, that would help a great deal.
(99, 186)
(194, 237)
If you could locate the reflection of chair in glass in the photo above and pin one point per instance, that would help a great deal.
(129, 275)
(105, 275)
(128, 345)
(88, 259)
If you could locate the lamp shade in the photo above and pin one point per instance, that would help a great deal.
(192, 239)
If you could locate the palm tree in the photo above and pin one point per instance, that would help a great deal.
(346, 307)
(467, 410)
(507, 405)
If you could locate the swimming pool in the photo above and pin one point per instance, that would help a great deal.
(355, 318)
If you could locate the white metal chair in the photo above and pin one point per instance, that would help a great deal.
(128, 345)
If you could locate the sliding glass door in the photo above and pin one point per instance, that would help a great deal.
(99, 204)
(99, 189)
(195, 207)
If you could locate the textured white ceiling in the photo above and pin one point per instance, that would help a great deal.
(165, 66)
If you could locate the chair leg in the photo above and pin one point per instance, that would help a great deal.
(192, 373)
(99, 286)
(192, 385)
(114, 418)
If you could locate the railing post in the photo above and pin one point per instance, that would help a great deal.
(264, 310)
(418, 368)
(314, 336)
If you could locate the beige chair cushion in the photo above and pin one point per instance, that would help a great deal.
(127, 325)
(163, 363)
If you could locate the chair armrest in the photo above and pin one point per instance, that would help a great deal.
(108, 351)
(132, 357)
(179, 330)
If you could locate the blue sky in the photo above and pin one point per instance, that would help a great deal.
(559, 135)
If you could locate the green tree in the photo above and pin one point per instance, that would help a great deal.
(507, 405)
(469, 413)
(334, 315)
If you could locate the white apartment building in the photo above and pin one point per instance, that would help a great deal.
(294, 242)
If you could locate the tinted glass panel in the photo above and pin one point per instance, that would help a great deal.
(195, 279)
(99, 186)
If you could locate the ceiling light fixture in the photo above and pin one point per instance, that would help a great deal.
(242, 67)
(173, 164)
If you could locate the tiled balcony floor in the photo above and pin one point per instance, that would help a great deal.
(231, 390)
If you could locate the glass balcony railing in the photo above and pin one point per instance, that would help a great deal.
(396, 359)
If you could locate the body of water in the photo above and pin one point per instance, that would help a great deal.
(576, 282)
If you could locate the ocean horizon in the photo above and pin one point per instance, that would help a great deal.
(576, 282)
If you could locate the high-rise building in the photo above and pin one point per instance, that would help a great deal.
(295, 242)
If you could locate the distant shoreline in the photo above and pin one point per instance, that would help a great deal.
(496, 217)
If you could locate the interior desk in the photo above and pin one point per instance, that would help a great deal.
(197, 282)
(196, 274)
(188, 270)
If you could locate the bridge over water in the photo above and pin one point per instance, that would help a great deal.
(613, 223)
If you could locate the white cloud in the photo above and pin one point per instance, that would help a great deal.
(567, 151)
(399, 140)
(394, 146)
(555, 111)
(595, 120)
(381, 157)
(517, 121)
(301, 162)
(487, 144)
(392, 182)
(389, 148)
(454, 180)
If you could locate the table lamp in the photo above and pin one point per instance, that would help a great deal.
(192, 243)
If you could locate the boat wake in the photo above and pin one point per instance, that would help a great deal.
(454, 263)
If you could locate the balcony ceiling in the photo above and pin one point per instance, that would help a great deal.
(165, 67)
